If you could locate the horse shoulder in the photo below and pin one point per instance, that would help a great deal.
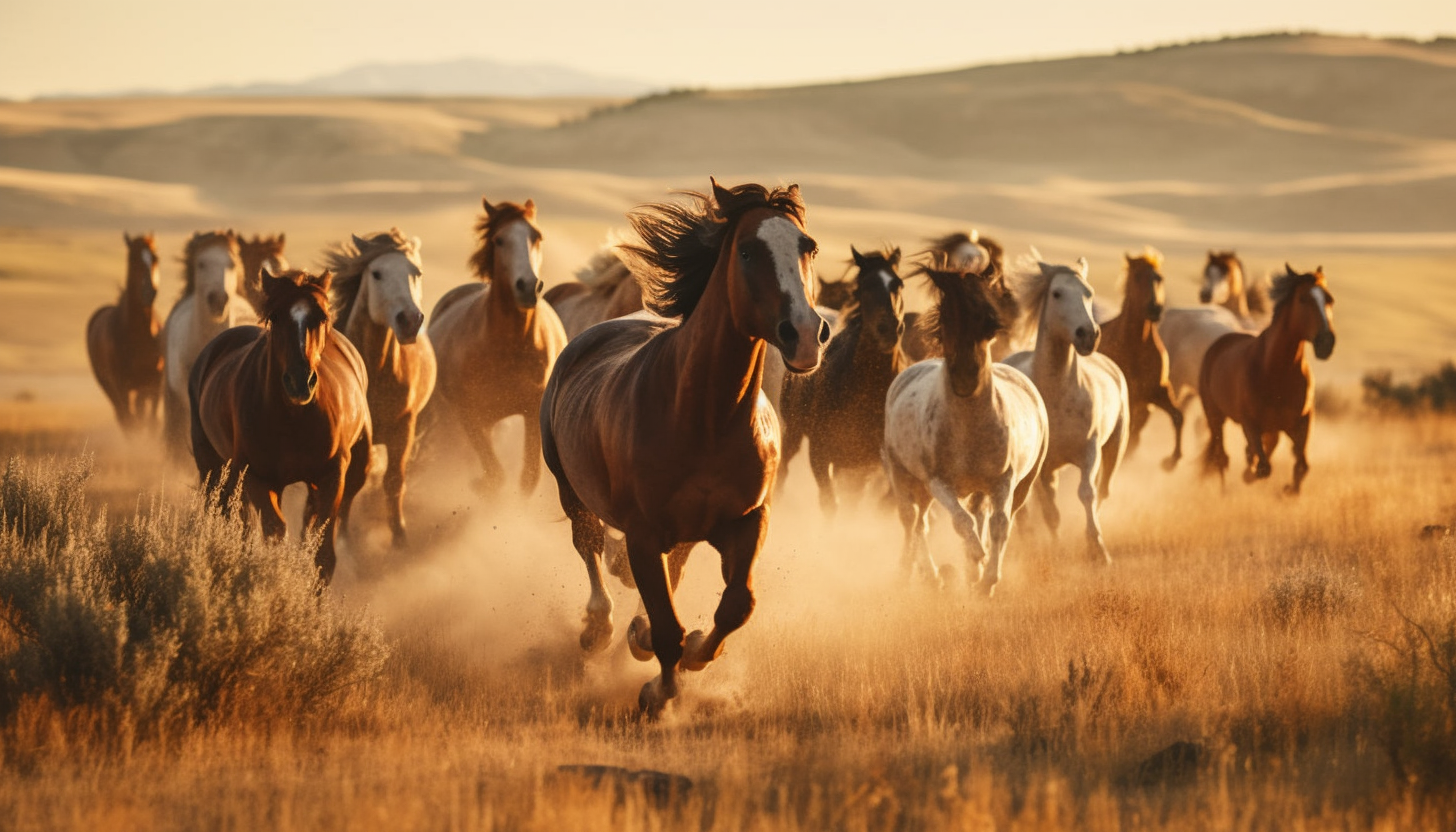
(564, 291)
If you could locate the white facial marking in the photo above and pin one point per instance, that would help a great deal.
(299, 313)
(147, 258)
(888, 277)
(782, 238)
(1321, 302)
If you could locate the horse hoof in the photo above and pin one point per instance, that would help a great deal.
(639, 633)
(695, 656)
(1170, 463)
(654, 698)
(1291, 491)
(401, 540)
(597, 634)
(986, 588)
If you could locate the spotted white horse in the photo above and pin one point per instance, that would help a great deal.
(1084, 391)
(210, 303)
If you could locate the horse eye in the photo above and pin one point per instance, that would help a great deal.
(743, 253)
(1057, 295)
(374, 273)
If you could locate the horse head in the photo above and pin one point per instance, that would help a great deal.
(1310, 306)
(770, 266)
(212, 268)
(1067, 306)
(391, 289)
(143, 273)
(296, 311)
(1144, 285)
(1219, 274)
(967, 316)
(878, 296)
(510, 252)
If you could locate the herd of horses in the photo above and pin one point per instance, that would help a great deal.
(668, 386)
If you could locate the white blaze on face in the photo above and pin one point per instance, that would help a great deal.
(888, 277)
(147, 258)
(1322, 303)
(299, 313)
(782, 238)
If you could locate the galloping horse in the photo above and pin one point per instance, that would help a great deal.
(285, 403)
(659, 429)
(209, 305)
(962, 427)
(604, 289)
(376, 302)
(257, 254)
(967, 253)
(1131, 339)
(121, 340)
(1084, 392)
(1263, 382)
(841, 408)
(494, 342)
(1188, 332)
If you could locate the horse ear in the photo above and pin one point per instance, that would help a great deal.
(1082, 267)
(895, 258)
(325, 281)
(720, 193)
(1127, 257)
(126, 238)
(793, 190)
(282, 238)
(359, 242)
(416, 243)
(858, 258)
(1289, 270)
(489, 209)
(529, 209)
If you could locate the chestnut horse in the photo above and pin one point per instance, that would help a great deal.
(1263, 382)
(376, 303)
(967, 253)
(963, 428)
(841, 408)
(1131, 339)
(658, 428)
(285, 403)
(604, 289)
(257, 254)
(495, 343)
(121, 340)
(209, 305)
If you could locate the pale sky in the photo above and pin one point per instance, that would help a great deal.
(88, 46)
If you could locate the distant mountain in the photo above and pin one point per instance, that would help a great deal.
(465, 76)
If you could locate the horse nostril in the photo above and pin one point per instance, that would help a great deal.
(1083, 333)
(312, 380)
(823, 332)
(787, 334)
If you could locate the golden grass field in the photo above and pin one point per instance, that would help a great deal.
(1304, 649)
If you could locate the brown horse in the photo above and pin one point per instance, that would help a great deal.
(122, 340)
(285, 403)
(659, 429)
(376, 303)
(841, 408)
(971, 254)
(495, 343)
(604, 289)
(1263, 382)
(1131, 339)
(258, 253)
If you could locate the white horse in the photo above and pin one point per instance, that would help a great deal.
(1188, 332)
(210, 303)
(963, 428)
(375, 301)
(1084, 391)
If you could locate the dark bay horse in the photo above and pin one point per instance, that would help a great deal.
(376, 303)
(971, 254)
(1131, 339)
(659, 429)
(259, 253)
(841, 408)
(285, 403)
(495, 343)
(1263, 382)
(121, 340)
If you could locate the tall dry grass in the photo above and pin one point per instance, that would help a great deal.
(1249, 662)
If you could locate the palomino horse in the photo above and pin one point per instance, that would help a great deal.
(841, 408)
(1263, 382)
(1229, 305)
(659, 429)
(967, 253)
(1084, 391)
(376, 303)
(209, 305)
(257, 254)
(285, 403)
(495, 343)
(121, 340)
(1131, 339)
(961, 427)
(604, 289)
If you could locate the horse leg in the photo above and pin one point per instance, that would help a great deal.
(1300, 437)
(266, 502)
(639, 632)
(587, 536)
(819, 464)
(999, 529)
(1163, 401)
(1140, 415)
(400, 444)
(1046, 497)
(964, 524)
(175, 424)
(356, 473)
(665, 631)
(913, 503)
(792, 442)
(324, 498)
(531, 450)
(1087, 492)
(1215, 456)
(1258, 461)
(738, 542)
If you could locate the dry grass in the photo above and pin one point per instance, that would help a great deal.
(1300, 650)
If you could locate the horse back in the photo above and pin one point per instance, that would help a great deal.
(453, 298)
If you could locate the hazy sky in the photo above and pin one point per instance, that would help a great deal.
(52, 46)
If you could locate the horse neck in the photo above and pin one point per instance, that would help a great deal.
(376, 344)
(1236, 302)
(503, 317)
(717, 372)
(870, 363)
(981, 351)
(135, 311)
(1053, 357)
(1281, 347)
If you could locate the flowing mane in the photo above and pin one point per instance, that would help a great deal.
(680, 243)
(348, 260)
(1286, 285)
(967, 308)
(202, 240)
(497, 217)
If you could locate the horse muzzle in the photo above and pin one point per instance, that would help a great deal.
(407, 325)
(1155, 312)
(1324, 344)
(1205, 295)
(1085, 339)
(217, 304)
(802, 350)
(528, 291)
(300, 387)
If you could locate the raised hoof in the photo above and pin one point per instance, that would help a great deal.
(654, 697)
(985, 588)
(695, 655)
(1291, 490)
(1170, 463)
(597, 634)
(639, 638)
